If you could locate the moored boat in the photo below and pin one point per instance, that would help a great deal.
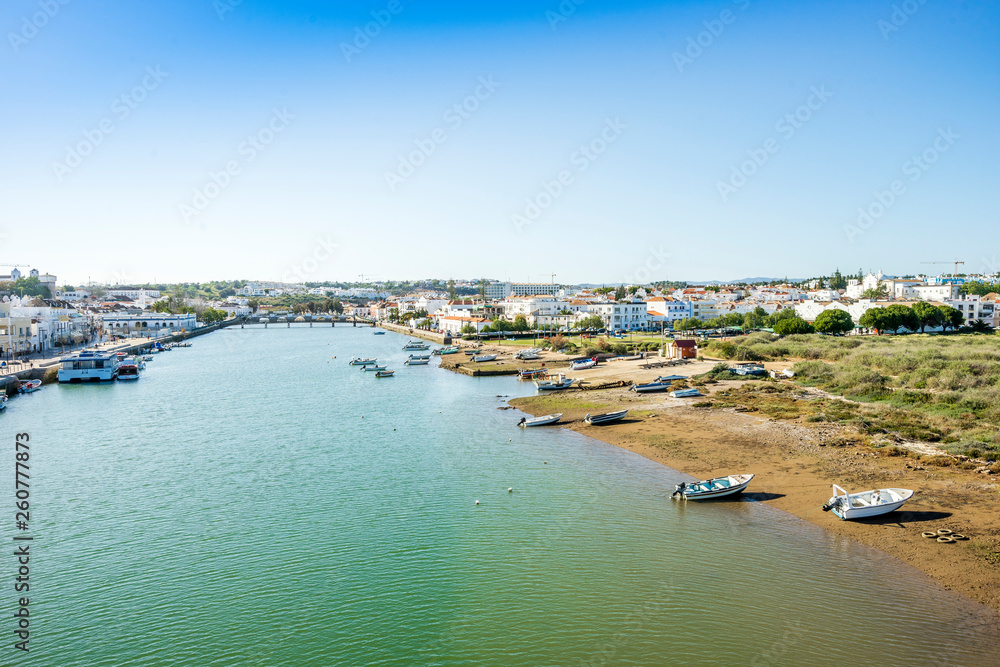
(3, 401)
(384, 374)
(484, 357)
(363, 361)
(866, 503)
(544, 420)
(29, 386)
(420, 356)
(583, 364)
(378, 333)
(417, 362)
(446, 350)
(415, 345)
(712, 488)
(128, 372)
(529, 373)
(605, 418)
(88, 366)
(372, 367)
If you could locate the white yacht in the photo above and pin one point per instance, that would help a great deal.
(88, 366)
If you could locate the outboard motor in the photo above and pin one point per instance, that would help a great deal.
(522, 421)
(679, 489)
(830, 505)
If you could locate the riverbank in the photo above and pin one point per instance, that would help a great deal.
(795, 462)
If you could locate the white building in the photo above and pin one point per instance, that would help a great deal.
(151, 323)
(626, 315)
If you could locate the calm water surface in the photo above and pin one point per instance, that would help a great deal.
(254, 500)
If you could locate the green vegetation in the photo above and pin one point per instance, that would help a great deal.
(25, 287)
(793, 325)
(935, 388)
(921, 315)
(833, 322)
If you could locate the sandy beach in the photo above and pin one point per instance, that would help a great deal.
(795, 463)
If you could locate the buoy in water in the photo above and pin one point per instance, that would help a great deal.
(510, 489)
(477, 502)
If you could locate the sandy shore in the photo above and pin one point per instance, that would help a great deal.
(795, 463)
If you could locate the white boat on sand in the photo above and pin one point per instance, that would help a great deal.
(544, 420)
(558, 382)
(866, 503)
(583, 364)
(712, 488)
(484, 357)
(606, 418)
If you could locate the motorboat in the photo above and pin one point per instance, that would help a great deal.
(472, 352)
(544, 420)
(128, 372)
(417, 362)
(378, 333)
(484, 357)
(866, 503)
(363, 361)
(445, 350)
(605, 418)
(415, 345)
(384, 374)
(712, 488)
(531, 354)
(29, 386)
(420, 356)
(685, 393)
(3, 401)
(529, 373)
(559, 382)
(670, 378)
(583, 364)
(372, 367)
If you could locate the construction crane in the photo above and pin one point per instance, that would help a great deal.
(955, 262)
(370, 275)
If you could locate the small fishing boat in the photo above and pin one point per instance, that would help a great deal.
(128, 372)
(363, 361)
(372, 367)
(147, 358)
(384, 374)
(415, 345)
(420, 356)
(866, 503)
(685, 393)
(712, 488)
(544, 420)
(650, 387)
(583, 364)
(529, 373)
(781, 375)
(606, 418)
(417, 362)
(670, 378)
(559, 382)
(521, 354)
(472, 352)
(484, 357)
(748, 368)
(3, 401)
(29, 386)
(378, 333)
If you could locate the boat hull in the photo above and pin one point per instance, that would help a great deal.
(608, 418)
(541, 421)
(860, 505)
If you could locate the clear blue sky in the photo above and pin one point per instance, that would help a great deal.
(323, 194)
